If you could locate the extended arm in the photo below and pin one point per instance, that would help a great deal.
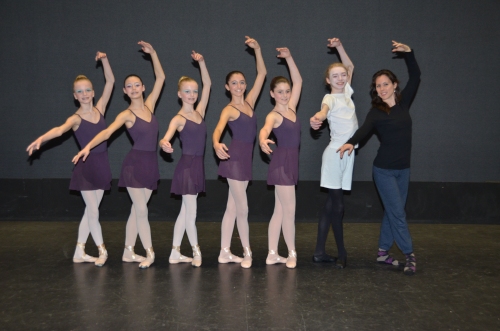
(317, 120)
(264, 133)
(207, 83)
(159, 74)
(71, 122)
(284, 53)
(261, 72)
(221, 148)
(175, 124)
(110, 81)
(335, 42)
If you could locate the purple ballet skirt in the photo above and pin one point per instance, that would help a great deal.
(284, 165)
(239, 165)
(189, 174)
(140, 167)
(94, 173)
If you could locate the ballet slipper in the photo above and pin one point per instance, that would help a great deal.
(150, 259)
(247, 258)
(291, 261)
(80, 255)
(196, 256)
(274, 258)
(177, 257)
(103, 255)
(130, 256)
(225, 256)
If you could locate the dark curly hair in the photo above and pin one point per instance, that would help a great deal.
(377, 102)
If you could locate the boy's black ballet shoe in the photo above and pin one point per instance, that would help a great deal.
(341, 263)
(324, 258)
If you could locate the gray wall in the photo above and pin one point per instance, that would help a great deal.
(45, 44)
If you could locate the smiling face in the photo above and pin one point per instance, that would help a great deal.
(236, 84)
(133, 87)
(83, 91)
(337, 79)
(385, 89)
(281, 93)
(188, 92)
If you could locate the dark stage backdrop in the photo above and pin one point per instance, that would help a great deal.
(45, 44)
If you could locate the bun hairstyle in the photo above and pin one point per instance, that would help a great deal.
(377, 102)
(334, 65)
(184, 79)
(132, 75)
(278, 80)
(79, 78)
(229, 75)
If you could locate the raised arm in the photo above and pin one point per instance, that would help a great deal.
(261, 72)
(175, 124)
(410, 90)
(110, 82)
(72, 121)
(121, 119)
(271, 120)
(335, 42)
(207, 83)
(159, 74)
(284, 53)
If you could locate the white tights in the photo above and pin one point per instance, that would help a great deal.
(283, 217)
(90, 220)
(138, 220)
(236, 209)
(186, 221)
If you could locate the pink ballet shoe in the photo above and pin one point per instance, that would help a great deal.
(177, 257)
(196, 256)
(80, 255)
(150, 259)
(225, 256)
(274, 258)
(291, 261)
(247, 258)
(130, 256)
(103, 256)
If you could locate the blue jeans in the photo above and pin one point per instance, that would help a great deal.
(392, 185)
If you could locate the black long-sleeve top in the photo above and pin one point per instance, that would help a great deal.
(394, 129)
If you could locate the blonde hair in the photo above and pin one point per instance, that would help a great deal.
(334, 65)
(79, 78)
(184, 79)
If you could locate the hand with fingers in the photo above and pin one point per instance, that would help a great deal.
(334, 42)
(83, 153)
(166, 146)
(221, 151)
(345, 147)
(197, 57)
(100, 56)
(315, 122)
(264, 145)
(146, 47)
(399, 47)
(34, 146)
(283, 52)
(252, 43)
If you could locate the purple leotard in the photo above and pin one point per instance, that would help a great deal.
(140, 167)
(239, 165)
(284, 165)
(94, 173)
(189, 174)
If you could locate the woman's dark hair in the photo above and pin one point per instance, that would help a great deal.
(278, 80)
(229, 75)
(377, 102)
(132, 75)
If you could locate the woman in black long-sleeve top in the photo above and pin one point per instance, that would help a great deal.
(390, 118)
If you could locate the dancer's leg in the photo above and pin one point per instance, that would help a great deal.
(337, 198)
(239, 192)
(92, 201)
(228, 220)
(286, 196)
(140, 198)
(179, 228)
(274, 232)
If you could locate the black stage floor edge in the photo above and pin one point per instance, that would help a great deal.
(456, 286)
(428, 202)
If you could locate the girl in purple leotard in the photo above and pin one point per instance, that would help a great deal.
(93, 177)
(189, 175)
(140, 172)
(236, 161)
(284, 167)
